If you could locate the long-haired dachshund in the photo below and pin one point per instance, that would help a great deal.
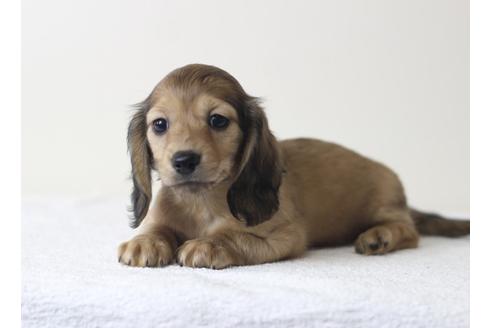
(231, 194)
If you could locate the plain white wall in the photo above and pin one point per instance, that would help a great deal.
(387, 78)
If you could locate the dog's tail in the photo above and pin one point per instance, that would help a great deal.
(434, 224)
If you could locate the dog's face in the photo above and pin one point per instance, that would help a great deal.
(193, 141)
(199, 128)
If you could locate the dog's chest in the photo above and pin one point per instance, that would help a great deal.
(199, 220)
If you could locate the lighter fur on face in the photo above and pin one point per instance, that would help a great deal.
(249, 199)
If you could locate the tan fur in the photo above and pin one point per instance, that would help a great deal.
(312, 192)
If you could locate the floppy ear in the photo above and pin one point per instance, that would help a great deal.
(141, 160)
(254, 194)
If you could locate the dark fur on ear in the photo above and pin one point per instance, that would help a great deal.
(254, 194)
(141, 160)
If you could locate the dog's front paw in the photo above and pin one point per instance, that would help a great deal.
(145, 251)
(205, 253)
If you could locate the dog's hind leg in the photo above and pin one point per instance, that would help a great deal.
(393, 229)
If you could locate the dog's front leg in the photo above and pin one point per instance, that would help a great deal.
(230, 247)
(154, 247)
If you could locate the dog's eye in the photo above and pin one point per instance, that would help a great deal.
(159, 125)
(218, 122)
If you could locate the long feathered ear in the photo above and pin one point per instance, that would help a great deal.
(254, 194)
(141, 160)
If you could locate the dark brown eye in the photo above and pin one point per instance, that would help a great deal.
(159, 126)
(218, 122)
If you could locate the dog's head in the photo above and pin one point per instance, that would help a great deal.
(199, 128)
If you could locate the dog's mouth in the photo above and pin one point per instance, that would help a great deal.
(193, 185)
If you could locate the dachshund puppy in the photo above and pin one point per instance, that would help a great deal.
(231, 194)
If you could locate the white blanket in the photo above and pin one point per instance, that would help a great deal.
(71, 278)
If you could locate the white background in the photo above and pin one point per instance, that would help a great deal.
(387, 78)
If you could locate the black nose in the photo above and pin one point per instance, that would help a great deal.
(185, 162)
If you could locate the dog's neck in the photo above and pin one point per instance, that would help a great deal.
(213, 198)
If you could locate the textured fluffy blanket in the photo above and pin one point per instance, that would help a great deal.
(71, 278)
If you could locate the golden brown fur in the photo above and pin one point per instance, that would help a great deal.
(252, 199)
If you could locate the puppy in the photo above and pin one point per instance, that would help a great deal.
(231, 194)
